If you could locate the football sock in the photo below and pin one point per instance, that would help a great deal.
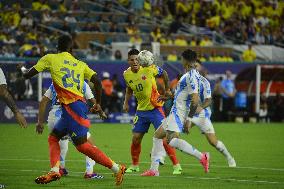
(222, 148)
(135, 153)
(95, 154)
(156, 154)
(89, 165)
(54, 153)
(63, 151)
(183, 146)
(171, 152)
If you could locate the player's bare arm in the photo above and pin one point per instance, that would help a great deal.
(101, 114)
(193, 104)
(205, 104)
(29, 73)
(41, 112)
(8, 99)
(192, 110)
(168, 93)
(98, 92)
(128, 94)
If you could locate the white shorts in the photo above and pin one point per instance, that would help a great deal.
(204, 124)
(2, 78)
(53, 117)
(174, 121)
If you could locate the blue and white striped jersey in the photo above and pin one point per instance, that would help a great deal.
(204, 92)
(187, 85)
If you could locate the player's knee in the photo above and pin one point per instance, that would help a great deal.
(82, 147)
(52, 139)
(169, 139)
(79, 140)
(212, 140)
(136, 139)
(57, 134)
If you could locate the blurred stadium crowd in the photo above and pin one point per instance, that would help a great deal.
(28, 28)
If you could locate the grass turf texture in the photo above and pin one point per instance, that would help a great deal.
(257, 148)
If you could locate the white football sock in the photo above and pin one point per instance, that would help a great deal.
(55, 169)
(222, 148)
(157, 153)
(184, 146)
(89, 165)
(63, 151)
(115, 168)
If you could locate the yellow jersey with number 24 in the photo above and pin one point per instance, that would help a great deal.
(67, 74)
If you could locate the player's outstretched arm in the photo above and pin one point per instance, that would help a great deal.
(8, 99)
(41, 112)
(29, 73)
(165, 78)
(168, 93)
(93, 110)
(98, 88)
(128, 94)
(98, 92)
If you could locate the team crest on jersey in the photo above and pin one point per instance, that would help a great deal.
(144, 77)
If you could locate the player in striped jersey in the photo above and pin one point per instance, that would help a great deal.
(184, 106)
(202, 119)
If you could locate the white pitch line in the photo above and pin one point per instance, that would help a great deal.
(167, 176)
(185, 164)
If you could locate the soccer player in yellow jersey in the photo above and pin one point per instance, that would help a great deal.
(68, 76)
(141, 83)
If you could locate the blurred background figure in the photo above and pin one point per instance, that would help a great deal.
(217, 100)
(228, 94)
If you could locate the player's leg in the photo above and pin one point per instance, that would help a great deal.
(89, 173)
(206, 127)
(220, 146)
(53, 117)
(63, 143)
(156, 119)
(175, 126)
(135, 152)
(141, 126)
(157, 152)
(76, 112)
(174, 141)
(54, 153)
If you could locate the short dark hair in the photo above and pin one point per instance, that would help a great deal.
(189, 55)
(64, 43)
(133, 52)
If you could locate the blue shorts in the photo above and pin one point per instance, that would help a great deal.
(143, 119)
(74, 120)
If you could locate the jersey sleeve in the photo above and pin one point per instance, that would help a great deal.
(157, 71)
(125, 79)
(88, 72)
(48, 93)
(207, 89)
(88, 92)
(43, 63)
(193, 82)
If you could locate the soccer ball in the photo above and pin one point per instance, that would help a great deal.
(145, 58)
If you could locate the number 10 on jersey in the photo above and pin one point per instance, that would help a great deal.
(139, 87)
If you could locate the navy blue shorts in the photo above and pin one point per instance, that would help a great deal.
(74, 120)
(143, 119)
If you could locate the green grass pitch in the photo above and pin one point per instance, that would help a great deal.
(257, 148)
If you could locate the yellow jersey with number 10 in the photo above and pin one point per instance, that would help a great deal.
(144, 87)
(67, 75)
